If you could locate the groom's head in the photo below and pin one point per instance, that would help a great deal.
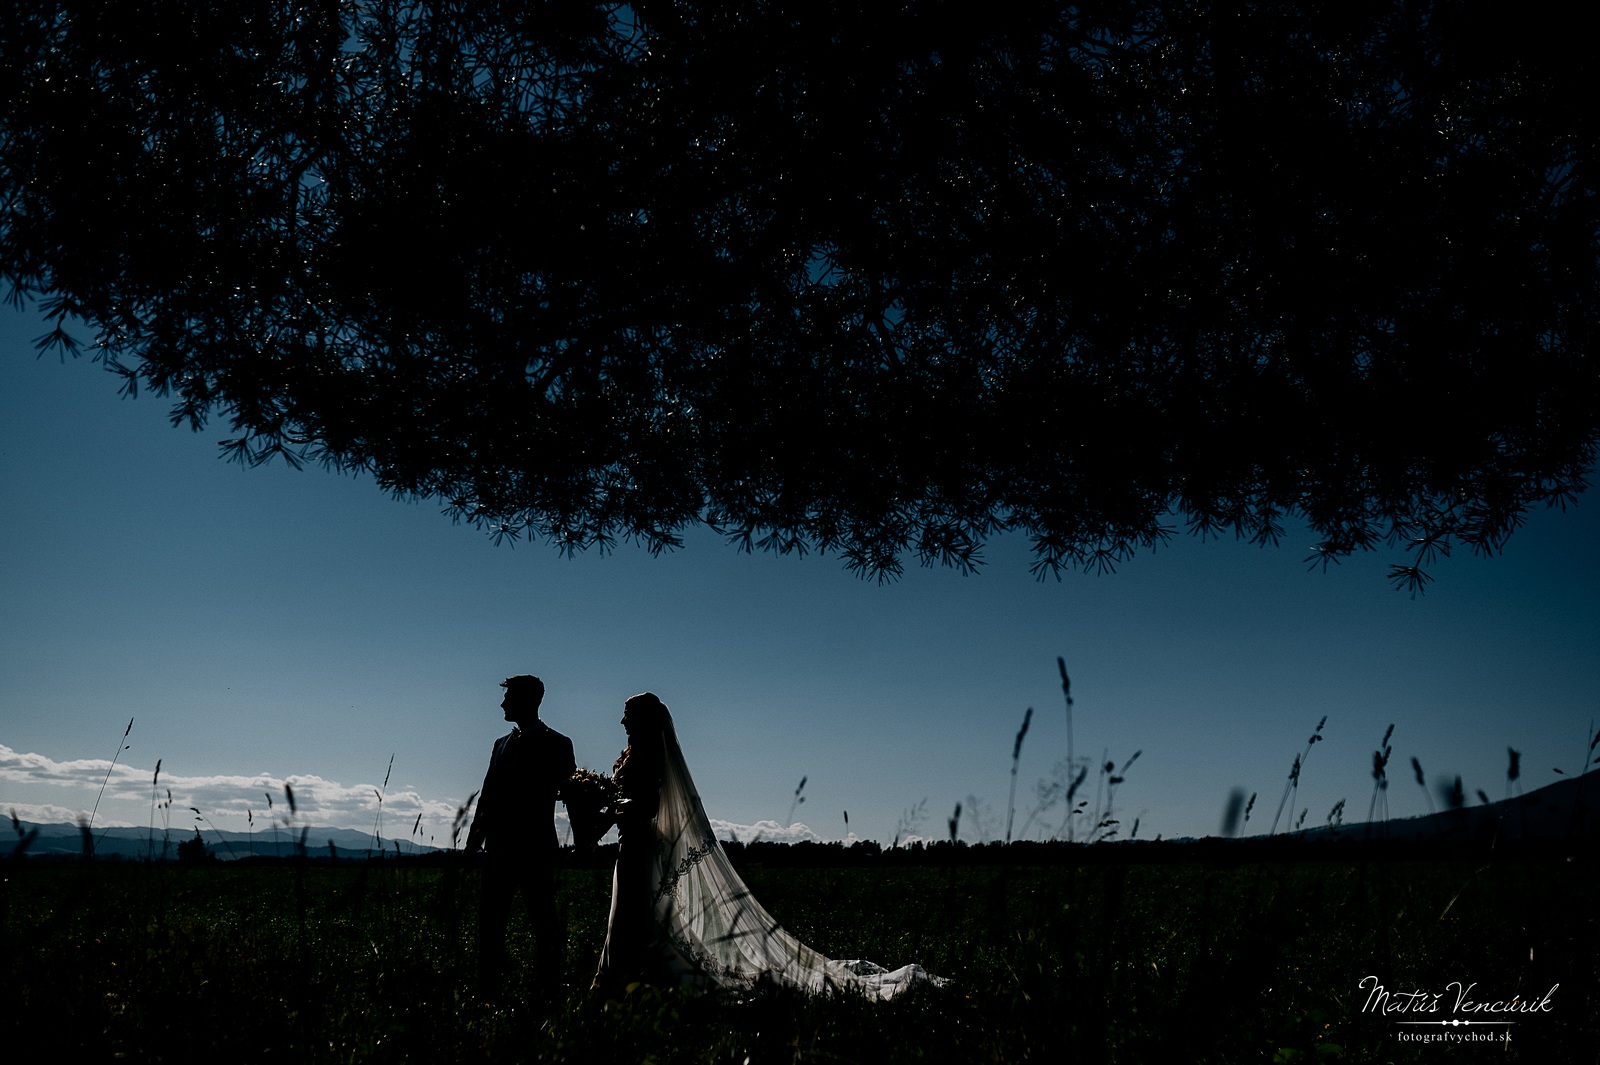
(523, 695)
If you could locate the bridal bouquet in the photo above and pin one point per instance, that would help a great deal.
(589, 797)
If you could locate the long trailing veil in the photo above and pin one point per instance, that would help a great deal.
(716, 931)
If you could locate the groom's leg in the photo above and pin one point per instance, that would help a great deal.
(494, 912)
(544, 920)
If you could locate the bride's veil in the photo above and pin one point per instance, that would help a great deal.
(718, 932)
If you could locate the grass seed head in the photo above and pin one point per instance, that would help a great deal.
(1232, 811)
(1453, 794)
(1016, 748)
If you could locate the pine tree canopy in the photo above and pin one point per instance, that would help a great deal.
(878, 279)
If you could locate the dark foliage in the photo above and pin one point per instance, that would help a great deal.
(875, 279)
(194, 849)
(1186, 960)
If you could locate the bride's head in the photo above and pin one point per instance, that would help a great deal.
(644, 715)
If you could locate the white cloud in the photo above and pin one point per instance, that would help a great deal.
(42, 813)
(227, 800)
(764, 831)
(136, 797)
(37, 769)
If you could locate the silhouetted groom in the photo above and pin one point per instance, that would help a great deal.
(515, 824)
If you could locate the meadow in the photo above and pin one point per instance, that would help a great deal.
(1151, 954)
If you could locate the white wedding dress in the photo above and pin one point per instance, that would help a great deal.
(714, 931)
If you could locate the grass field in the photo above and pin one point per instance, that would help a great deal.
(1179, 961)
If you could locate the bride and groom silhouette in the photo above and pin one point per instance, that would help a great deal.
(680, 913)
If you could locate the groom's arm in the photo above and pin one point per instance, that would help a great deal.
(565, 765)
(479, 828)
(480, 818)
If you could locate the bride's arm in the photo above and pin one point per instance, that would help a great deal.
(639, 778)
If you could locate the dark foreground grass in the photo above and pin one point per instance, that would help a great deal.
(1188, 961)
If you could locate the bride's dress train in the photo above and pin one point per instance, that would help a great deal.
(706, 927)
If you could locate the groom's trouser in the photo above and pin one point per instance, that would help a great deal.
(534, 875)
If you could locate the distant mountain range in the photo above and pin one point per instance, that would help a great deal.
(1566, 811)
(141, 843)
(1569, 809)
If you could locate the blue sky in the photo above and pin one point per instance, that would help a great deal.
(269, 625)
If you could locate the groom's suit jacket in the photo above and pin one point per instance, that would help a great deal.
(516, 806)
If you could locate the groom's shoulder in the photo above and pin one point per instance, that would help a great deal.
(551, 734)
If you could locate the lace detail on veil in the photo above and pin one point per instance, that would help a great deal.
(692, 857)
(718, 933)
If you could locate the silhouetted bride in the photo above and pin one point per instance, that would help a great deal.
(679, 911)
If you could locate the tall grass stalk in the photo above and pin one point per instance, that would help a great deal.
(1454, 793)
(1291, 790)
(910, 820)
(1016, 757)
(202, 818)
(796, 801)
(460, 819)
(298, 842)
(150, 836)
(276, 852)
(1231, 810)
(1073, 809)
(1105, 825)
(1380, 778)
(122, 745)
(166, 824)
(1072, 763)
(24, 840)
(377, 825)
(1422, 782)
(1046, 794)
